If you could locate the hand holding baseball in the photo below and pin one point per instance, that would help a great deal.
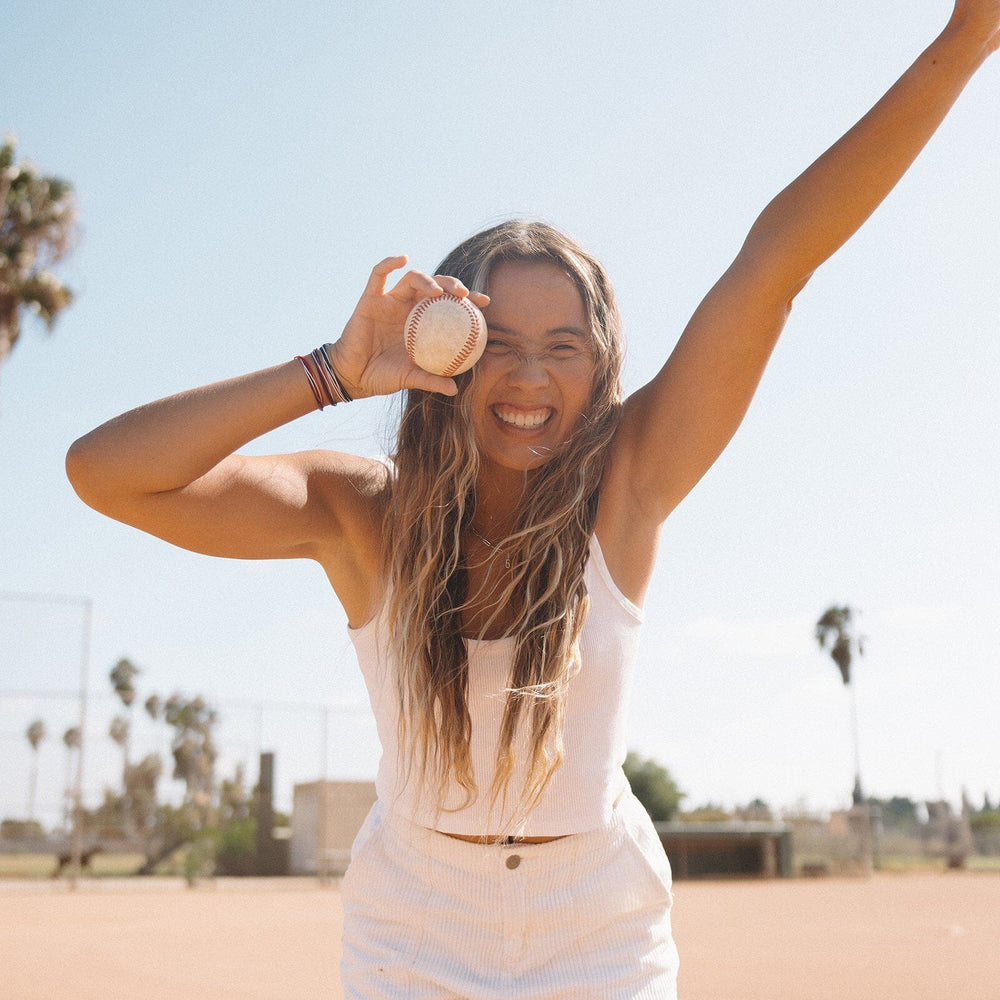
(371, 356)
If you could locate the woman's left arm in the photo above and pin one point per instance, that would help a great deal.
(677, 425)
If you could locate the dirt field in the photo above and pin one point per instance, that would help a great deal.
(894, 936)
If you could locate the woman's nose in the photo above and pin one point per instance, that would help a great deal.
(528, 369)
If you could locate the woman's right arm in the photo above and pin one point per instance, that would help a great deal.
(170, 467)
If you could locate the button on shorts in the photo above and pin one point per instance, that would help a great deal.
(584, 917)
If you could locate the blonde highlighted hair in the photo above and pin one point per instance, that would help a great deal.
(433, 501)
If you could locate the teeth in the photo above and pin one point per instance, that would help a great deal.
(528, 421)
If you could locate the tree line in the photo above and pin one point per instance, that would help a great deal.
(215, 820)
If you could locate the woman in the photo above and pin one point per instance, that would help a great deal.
(493, 574)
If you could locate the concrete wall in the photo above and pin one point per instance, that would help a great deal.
(321, 838)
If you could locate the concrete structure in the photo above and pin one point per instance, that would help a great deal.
(272, 848)
(946, 834)
(730, 848)
(326, 816)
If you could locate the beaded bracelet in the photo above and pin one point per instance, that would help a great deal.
(327, 388)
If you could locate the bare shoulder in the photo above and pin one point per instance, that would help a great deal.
(351, 494)
(348, 493)
(352, 479)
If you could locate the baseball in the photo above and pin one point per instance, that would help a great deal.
(446, 335)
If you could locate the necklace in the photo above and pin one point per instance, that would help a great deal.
(494, 549)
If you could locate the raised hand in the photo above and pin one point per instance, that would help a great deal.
(370, 357)
(688, 413)
(981, 17)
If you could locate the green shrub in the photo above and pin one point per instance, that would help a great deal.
(236, 848)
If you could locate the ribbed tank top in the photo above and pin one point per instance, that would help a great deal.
(583, 789)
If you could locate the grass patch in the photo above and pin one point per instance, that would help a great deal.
(43, 865)
(913, 863)
(984, 863)
(910, 863)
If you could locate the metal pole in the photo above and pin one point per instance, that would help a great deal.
(854, 734)
(322, 859)
(868, 850)
(88, 616)
(76, 859)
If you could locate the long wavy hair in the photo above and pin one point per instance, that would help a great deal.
(433, 500)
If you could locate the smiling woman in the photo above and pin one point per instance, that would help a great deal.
(536, 377)
(493, 572)
(518, 471)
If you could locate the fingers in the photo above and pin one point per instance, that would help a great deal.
(419, 379)
(381, 271)
(416, 285)
(455, 287)
(451, 285)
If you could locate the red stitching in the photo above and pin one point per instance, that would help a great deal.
(411, 329)
(470, 342)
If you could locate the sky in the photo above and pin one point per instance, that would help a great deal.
(239, 170)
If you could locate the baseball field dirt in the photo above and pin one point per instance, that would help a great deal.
(913, 936)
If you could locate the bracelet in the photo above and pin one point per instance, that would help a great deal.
(330, 373)
(312, 381)
(327, 389)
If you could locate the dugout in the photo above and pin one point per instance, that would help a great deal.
(739, 848)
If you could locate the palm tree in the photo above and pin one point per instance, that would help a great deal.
(119, 731)
(122, 674)
(35, 734)
(154, 706)
(140, 784)
(836, 628)
(194, 751)
(37, 229)
(71, 740)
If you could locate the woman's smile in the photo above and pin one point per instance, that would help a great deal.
(536, 377)
(517, 418)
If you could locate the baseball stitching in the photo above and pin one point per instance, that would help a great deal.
(470, 341)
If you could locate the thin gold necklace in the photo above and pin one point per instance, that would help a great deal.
(494, 549)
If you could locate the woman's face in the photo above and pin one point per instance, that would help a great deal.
(536, 377)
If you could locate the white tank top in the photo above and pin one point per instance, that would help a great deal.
(584, 788)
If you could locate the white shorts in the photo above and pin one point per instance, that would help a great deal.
(585, 917)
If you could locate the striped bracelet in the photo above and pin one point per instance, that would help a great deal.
(327, 388)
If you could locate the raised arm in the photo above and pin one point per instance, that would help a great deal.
(677, 425)
(170, 467)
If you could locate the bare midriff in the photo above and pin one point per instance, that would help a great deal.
(474, 839)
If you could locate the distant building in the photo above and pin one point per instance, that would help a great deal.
(734, 847)
(948, 835)
(326, 816)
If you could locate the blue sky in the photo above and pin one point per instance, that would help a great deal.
(239, 170)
